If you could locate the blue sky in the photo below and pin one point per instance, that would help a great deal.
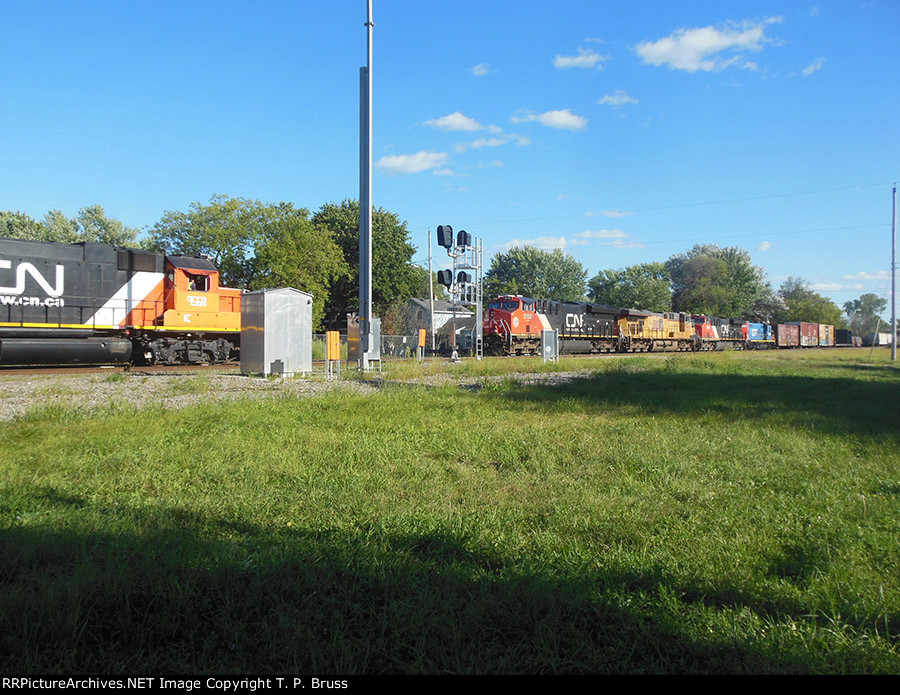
(619, 132)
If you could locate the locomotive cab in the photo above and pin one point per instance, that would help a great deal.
(194, 300)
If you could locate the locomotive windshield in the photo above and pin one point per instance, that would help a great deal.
(506, 306)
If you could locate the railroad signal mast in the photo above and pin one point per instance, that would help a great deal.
(464, 280)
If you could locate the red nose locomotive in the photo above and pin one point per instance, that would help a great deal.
(513, 325)
(95, 303)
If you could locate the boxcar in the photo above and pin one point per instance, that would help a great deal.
(809, 333)
(787, 335)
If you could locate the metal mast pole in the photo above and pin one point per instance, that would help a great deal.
(365, 200)
(430, 292)
(894, 278)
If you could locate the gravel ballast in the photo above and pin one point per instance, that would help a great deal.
(20, 394)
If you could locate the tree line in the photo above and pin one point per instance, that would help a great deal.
(707, 279)
(261, 245)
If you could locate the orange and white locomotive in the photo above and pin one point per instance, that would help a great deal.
(90, 302)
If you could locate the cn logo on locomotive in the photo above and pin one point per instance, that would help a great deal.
(574, 321)
(22, 269)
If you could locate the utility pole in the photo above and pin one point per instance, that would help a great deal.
(365, 201)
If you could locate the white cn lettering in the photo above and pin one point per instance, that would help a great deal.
(574, 320)
(23, 268)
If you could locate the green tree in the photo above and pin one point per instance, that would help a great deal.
(864, 313)
(95, 225)
(226, 229)
(532, 272)
(768, 307)
(18, 225)
(90, 224)
(716, 281)
(803, 304)
(642, 286)
(292, 252)
(394, 277)
(60, 228)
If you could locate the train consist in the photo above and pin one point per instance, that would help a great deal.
(97, 303)
(513, 326)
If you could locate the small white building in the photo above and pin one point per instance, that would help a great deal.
(446, 316)
(878, 339)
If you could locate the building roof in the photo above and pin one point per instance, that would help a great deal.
(441, 306)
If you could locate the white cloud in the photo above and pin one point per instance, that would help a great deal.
(546, 243)
(411, 163)
(562, 119)
(480, 70)
(701, 48)
(765, 246)
(587, 58)
(625, 244)
(863, 275)
(503, 139)
(817, 64)
(614, 238)
(620, 98)
(455, 121)
(609, 213)
(484, 142)
(602, 234)
(833, 286)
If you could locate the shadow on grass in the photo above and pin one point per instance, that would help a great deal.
(829, 405)
(191, 594)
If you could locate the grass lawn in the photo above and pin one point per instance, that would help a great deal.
(721, 513)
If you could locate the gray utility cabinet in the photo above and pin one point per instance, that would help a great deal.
(276, 332)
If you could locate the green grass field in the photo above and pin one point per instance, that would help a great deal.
(729, 513)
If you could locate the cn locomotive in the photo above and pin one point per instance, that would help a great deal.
(513, 326)
(98, 303)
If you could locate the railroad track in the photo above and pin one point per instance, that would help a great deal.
(107, 369)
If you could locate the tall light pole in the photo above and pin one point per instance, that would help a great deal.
(365, 200)
(894, 278)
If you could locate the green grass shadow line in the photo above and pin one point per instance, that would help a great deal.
(192, 593)
(827, 404)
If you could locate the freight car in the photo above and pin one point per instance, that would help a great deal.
(97, 303)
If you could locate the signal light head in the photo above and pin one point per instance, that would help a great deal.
(445, 236)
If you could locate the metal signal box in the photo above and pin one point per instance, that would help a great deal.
(276, 332)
